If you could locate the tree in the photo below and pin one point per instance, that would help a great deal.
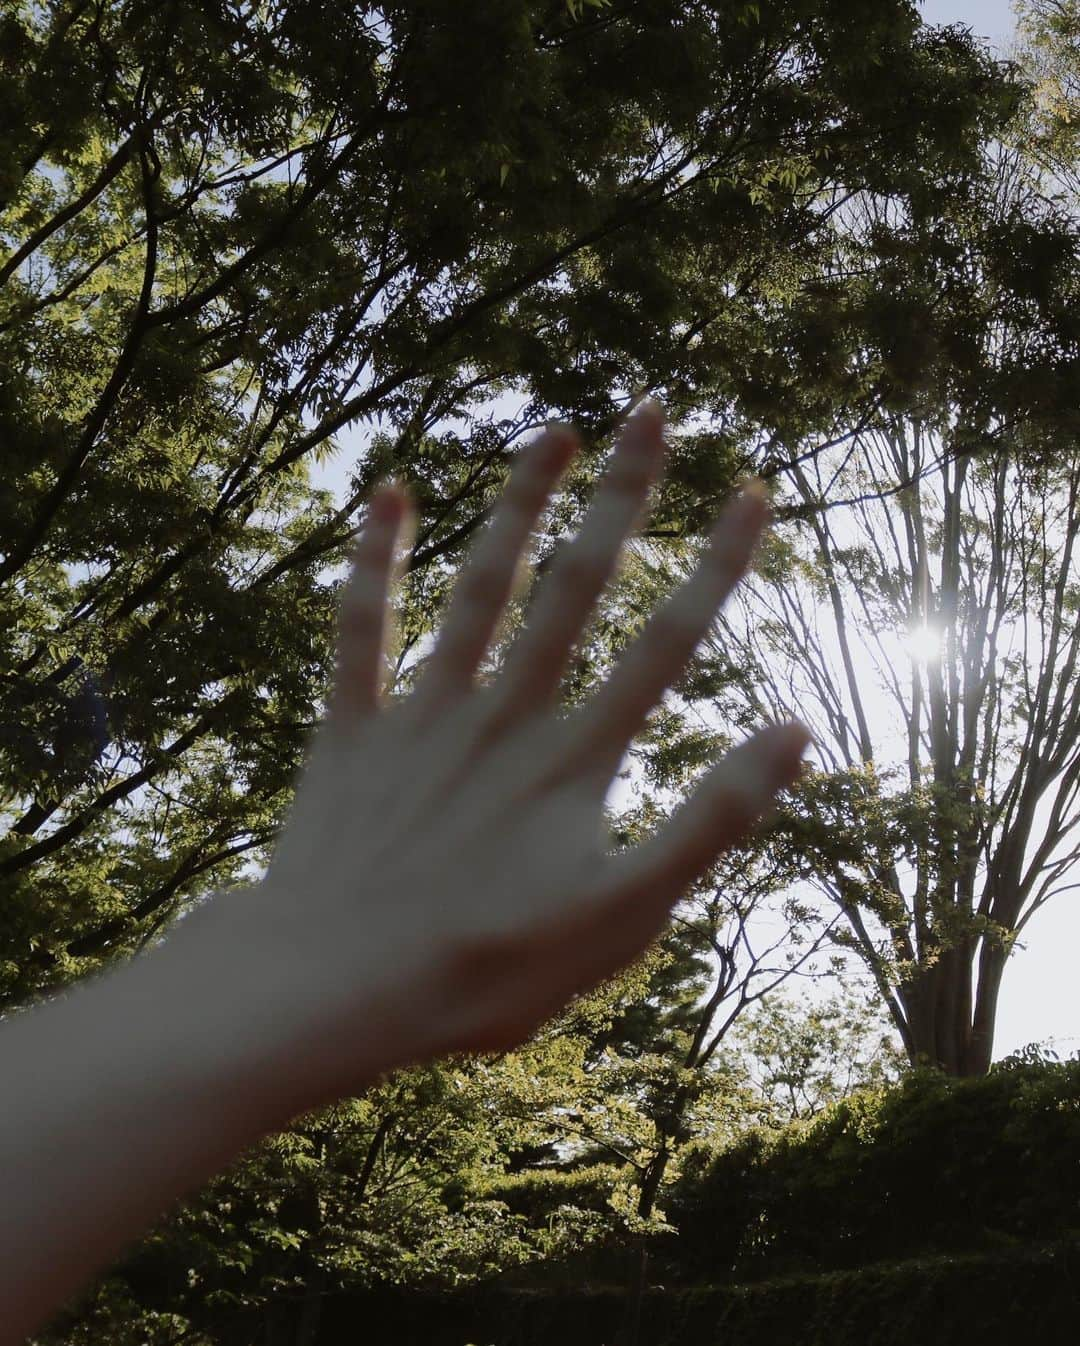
(1049, 52)
(228, 234)
(658, 1081)
(805, 1055)
(941, 517)
(932, 642)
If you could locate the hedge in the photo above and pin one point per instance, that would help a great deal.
(930, 1166)
(991, 1299)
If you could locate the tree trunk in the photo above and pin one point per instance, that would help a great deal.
(992, 962)
(307, 1326)
(654, 1176)
(945, 1029)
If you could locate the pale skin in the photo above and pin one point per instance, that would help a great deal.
(443, 884)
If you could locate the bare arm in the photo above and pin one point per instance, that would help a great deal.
(121, 1097)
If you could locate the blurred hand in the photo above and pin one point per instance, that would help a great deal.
(443, 882)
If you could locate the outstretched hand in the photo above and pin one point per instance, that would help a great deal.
(443, 882)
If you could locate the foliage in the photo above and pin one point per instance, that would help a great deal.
(232, 237)
(231, 234)
(819, 1226)
(1049, 52)
(804, 1055)
(996, 1299)
(849, 1187)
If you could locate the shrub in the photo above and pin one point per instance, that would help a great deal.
(931, 1165)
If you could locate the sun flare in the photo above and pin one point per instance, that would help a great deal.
(923, 643)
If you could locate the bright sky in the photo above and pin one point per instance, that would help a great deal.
(1038, 1000)
(992, 19)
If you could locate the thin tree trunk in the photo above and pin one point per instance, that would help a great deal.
(654, 1176)
(311, 1311)
(991, 966)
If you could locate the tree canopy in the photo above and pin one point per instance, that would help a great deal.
(270, 222)
(838, 245)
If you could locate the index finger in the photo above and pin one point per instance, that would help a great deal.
(485, 584)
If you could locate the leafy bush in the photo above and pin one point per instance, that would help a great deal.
(994, 1299)
(931, 1165)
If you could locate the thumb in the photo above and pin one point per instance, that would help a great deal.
(739, 791)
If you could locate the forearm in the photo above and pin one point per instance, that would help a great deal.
(120, 1098)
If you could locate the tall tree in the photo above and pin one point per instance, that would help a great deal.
(228, 232)
(931, 638)
(946, 514)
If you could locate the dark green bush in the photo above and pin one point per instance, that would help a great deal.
(934, 1212)
(992, 1299)
(931, 1165)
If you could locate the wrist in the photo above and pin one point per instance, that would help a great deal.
(259, 1007)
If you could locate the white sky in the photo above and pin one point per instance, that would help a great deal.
(992, 19)
(1038, 999)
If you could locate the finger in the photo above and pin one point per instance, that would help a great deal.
(364, 621)
(486, 583)
(643, 884)
(618, 710)
(533, 669)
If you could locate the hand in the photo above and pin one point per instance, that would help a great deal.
(443, 882)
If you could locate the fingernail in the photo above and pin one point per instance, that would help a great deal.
(649, 421)
(386, 506)
(750, 507)
(774, 763)
(562, 443)
(390, 500)
(644, 431)
(788, 749)
(755, 492)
